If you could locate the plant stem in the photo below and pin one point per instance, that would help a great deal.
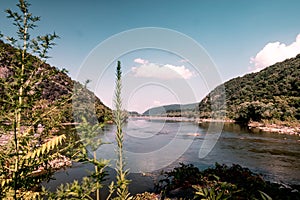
(122, 182)
(97, 183)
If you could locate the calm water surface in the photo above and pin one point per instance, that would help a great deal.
(152, 145)
(276, 156)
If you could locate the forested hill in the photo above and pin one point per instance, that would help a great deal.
(55, 85)
(171, 110)
(272, 94)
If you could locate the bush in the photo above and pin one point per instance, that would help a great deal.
(221, 182)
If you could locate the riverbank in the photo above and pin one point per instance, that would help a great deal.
(56, 164)
(275, 128)
(281, 128)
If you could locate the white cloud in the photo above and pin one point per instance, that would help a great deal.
(275, 52)
(161, 71)
(141, 61)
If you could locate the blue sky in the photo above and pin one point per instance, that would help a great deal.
(233, 32)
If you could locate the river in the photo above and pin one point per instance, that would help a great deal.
(153, 145)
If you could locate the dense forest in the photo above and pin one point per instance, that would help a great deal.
(54, 87)
(271, 95)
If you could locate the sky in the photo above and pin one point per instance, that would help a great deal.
(235, 37)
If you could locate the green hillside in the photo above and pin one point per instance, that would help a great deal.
(57, 86)
(173, 110)
(272, 94)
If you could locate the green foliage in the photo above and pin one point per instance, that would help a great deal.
(74, 190)
(121, 187)
(89, 135)
(145, 196)
(216, 190)
(31, 168)
(85, 103)
(220, 182)
(45, 148)
(271, 94)
(264, 196)
(182, 177)
(86, 136)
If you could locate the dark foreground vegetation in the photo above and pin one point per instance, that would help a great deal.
(221, 182)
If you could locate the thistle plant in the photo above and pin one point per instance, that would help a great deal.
(122, 182)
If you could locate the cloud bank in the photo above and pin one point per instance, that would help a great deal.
(160, 71)
(274, 52)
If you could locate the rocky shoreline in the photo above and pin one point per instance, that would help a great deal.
(275, 128)
(55, 164)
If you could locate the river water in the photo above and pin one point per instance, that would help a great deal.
(153, 145)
